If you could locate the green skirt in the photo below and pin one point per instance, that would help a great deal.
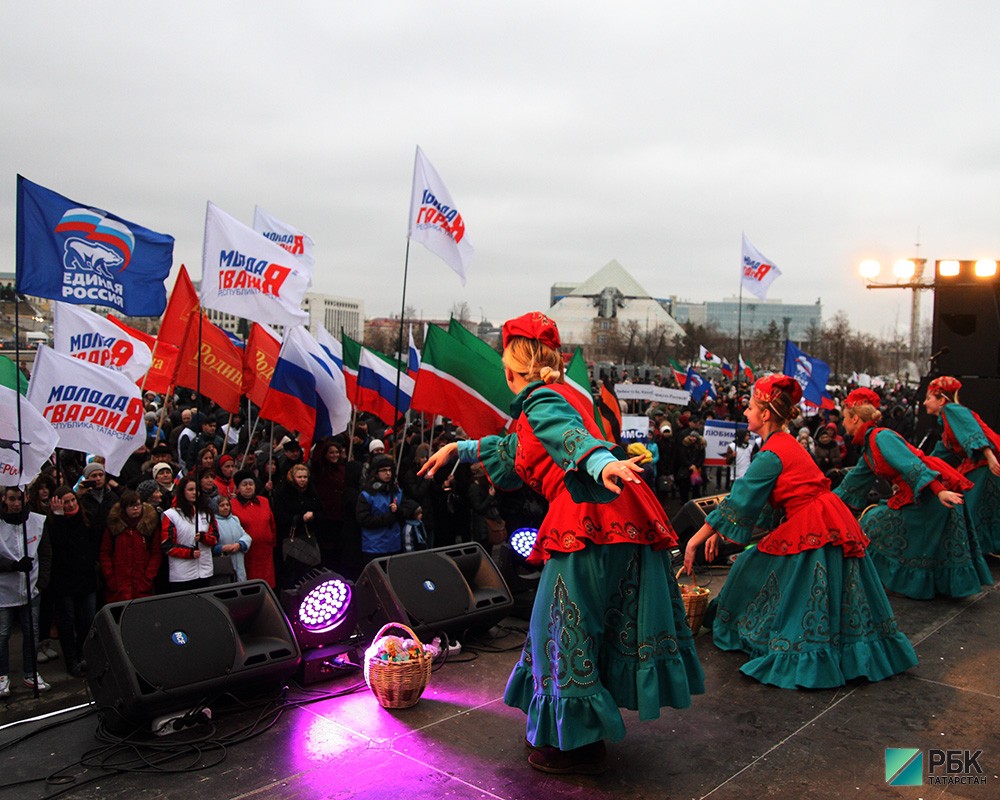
(983, 500)
(608, 630)
(810, 620)
(925, 549)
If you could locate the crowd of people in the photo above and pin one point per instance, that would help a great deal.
(208, 500)
(830, 509)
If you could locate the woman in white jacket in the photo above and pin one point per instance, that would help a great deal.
(188, 534)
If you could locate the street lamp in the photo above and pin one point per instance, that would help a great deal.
(909, 273)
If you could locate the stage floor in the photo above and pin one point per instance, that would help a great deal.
(738, 740)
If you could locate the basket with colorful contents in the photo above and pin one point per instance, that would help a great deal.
(695, 599)
(397, 669)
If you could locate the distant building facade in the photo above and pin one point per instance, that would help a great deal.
(329, 311)
(793, 320)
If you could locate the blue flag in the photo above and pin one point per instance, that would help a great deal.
(77, 254)
(811, 373)
(697, 386)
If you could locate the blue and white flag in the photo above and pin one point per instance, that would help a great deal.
(332, 347)
(697, 386)
(811, 373)
(78, 254)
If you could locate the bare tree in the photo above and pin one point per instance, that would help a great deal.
(461, 312)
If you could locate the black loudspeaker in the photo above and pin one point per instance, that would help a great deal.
(156, 655)
(691, 517)
(447, 589)
(967, 327)
(521, 578)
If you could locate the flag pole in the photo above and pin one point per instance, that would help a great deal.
(33, 666)
(225, 439)
(739, 325)
(253, 430)
(350, 436)
(399, 345)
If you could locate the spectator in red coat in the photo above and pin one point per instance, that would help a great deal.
(254, 514)
(130, 550)
(225, 468)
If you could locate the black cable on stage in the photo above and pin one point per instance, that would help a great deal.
(47, 727)
(130, 754)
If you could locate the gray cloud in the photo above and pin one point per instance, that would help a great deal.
(568, 134)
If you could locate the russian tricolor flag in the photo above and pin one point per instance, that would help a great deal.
(307, 392)
(413, 358)
(377, 381)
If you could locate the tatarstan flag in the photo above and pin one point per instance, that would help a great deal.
(352, 360)
(578, 377)
(461, 334)
(680, 374)
(457, 383)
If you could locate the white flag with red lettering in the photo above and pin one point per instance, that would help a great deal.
(287, 237)
(90, 337)
(24, 450)
(758, 272)
(93, 409)
(250, 276)
(434, 220)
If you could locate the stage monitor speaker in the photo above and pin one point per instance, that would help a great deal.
(691, 517)
(521, 578)
(448, 589)
(967, 327)
(156, 655)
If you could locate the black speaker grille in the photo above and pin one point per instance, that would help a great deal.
(180, 640)
(430, 585)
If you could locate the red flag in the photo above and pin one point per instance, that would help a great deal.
(221, 364)
(173, 328)
(160, 377)
(259, 357)
(183, 300)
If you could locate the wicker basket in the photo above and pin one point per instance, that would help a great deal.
(398, 684)
(695, 599)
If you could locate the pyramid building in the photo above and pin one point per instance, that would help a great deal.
(604, 305)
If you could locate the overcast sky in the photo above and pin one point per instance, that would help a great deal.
(568, 133)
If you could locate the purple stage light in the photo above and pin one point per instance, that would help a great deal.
(321, 609)
(324, 606)
(522, 540)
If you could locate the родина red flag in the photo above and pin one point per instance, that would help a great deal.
(259, 358)
(220, 361)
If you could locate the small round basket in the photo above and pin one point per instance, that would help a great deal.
(398, 684)
(695, 599)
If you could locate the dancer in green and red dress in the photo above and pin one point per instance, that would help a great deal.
(608, 628)
(970, 445)
(805, 603)
(923, 542)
